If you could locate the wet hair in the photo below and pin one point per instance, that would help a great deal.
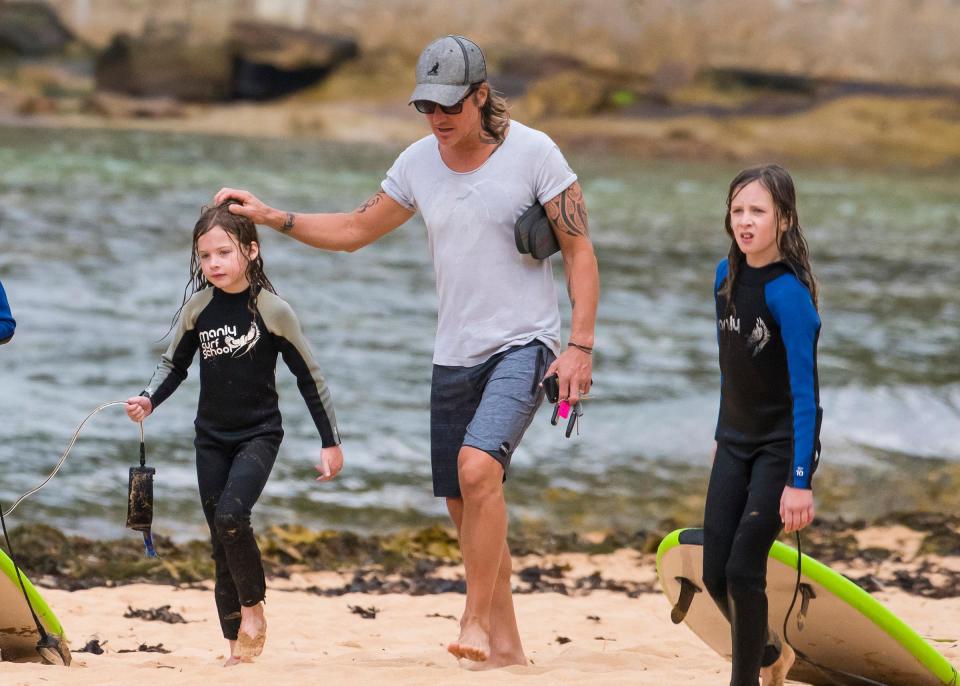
(244, 232)
(790, 242)
(494, 115)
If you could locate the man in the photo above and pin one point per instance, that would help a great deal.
(498, 332)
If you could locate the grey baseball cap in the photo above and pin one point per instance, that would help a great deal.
(447, 68)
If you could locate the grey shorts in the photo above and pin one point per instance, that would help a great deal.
(488, 406)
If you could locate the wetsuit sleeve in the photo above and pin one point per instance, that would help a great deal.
(718, 278)
(284, 325)
(793, 309)
(175, 362)
(7, 323)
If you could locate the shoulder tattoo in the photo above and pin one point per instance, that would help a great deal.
(568, 211)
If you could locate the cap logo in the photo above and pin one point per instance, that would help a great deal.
(434, 70)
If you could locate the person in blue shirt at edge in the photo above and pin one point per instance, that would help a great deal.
(498, 329)
(767, 437)
(7, 323)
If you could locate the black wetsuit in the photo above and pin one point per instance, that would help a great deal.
(767, 437)
(238, 421)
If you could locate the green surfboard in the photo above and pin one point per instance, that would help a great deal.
(18, 632)
(834, 622)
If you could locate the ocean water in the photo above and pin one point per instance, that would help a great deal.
(95, 230)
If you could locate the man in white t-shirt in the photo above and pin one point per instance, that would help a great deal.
(498, 329)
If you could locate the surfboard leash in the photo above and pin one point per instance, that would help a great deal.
(824, 670)
(139, 497)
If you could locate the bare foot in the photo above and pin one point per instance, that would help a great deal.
(253, 632)
(496, 661)
(776, 674)
(473, 644)
(234, 659)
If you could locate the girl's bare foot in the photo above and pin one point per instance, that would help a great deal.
(473, 644)
(776, 674)
(253, 632)
(234, 659)
(496, 661)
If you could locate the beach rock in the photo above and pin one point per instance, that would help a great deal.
(117, 106)
(271, 60)
(31, 29)
(515, 73)
(570, 93)
(164, 62)
(251, 60)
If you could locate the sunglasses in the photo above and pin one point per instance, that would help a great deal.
(429, 106)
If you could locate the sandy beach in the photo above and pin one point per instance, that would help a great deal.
(587, 637)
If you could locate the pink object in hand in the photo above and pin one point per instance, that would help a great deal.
(563, 409)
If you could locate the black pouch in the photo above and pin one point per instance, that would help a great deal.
(534, 235)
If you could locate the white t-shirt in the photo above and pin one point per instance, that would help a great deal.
(491, 297)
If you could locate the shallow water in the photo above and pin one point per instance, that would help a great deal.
(95, 231)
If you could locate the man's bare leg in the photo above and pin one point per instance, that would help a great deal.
(506, 647)
(483, 534)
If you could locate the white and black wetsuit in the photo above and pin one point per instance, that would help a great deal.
(767, 437)
(238, 421)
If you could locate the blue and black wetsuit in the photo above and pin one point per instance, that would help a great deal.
(7, 323)
(767, 437)
(238, 421)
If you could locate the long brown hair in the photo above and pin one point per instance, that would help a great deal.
(790, 242)
(494, 114)
(244, 231)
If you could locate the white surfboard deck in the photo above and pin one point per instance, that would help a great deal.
(843, 627)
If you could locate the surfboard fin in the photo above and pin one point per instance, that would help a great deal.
(807, 594)
(53, 650)
(687, 590)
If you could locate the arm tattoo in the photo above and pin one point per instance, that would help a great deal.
(569, 211)
(287, 225)
(375, 200)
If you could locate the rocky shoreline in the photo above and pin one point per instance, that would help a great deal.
(257, 78)
(915, 552)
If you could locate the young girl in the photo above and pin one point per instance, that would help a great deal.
(768, 430)
(239, 324)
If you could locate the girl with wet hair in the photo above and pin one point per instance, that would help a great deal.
(233, 317)
(767, 436)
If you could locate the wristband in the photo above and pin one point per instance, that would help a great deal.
(582, 348)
